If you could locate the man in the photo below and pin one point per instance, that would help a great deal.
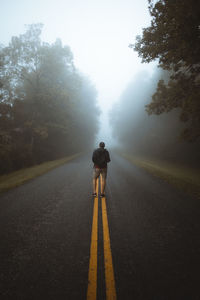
(100, 159)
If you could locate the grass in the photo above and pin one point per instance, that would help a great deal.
(17, 178)
(184, 178)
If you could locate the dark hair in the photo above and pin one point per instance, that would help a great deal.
(102, 144)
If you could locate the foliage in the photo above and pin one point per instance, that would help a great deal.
(155, 136)
(173, 40)
(44, 102)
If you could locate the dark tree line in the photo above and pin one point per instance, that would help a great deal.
(47, 107)
(171, 97)
(154, 136)
(174, 40)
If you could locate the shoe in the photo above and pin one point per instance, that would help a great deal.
(102, 195)
(94, 194)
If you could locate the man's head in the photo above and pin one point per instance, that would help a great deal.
(102, 145)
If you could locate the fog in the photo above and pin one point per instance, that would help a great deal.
(98, 34)
(150, 136)
(70, 80)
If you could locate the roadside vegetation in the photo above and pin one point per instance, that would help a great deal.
(44, 102)
(158, 115)
(184, 178)
(19, 177)
(173, 40)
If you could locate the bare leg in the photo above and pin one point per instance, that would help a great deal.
(103, 184)
(94, 185)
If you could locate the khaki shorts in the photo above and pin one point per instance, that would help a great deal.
(97, 172)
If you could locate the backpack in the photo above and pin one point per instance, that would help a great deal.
(100, 157)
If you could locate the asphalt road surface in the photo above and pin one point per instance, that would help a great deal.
(152, 237)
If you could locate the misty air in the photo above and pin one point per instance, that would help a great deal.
(99, 149)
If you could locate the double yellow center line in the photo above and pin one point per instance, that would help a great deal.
(92, 276)
(109, 273)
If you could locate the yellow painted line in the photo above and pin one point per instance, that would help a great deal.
(109, 271)
(92, 275)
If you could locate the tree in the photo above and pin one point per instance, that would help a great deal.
(155, 136)
(173, 40)
(44, 101)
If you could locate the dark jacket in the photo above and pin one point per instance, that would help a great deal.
(100, 158)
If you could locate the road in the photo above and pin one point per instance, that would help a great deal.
(46, 226)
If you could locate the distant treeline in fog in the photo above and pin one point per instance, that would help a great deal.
(152, 136)
(171, 96)
(44, 102)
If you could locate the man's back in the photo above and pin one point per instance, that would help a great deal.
(100, 157)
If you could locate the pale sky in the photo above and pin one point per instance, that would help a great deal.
(97, 31)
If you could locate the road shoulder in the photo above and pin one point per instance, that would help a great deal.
(19, 177)
(184, 178)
